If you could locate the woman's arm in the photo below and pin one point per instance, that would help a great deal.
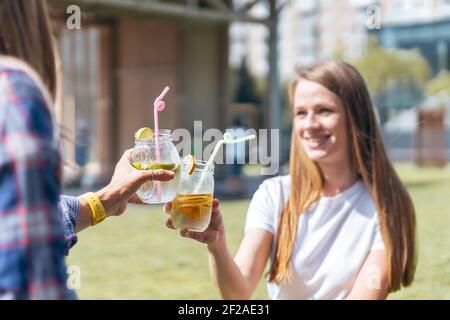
(372, 280)
(235, 278)
(115, 196)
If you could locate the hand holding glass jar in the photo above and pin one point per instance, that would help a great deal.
(145, 156)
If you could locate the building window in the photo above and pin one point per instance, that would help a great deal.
(85, 101)
(397, 5)
(419, 4)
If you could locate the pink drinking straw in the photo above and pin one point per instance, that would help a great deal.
(159, 105)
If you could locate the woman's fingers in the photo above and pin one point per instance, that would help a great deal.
(215, 207)
(127, 154)
(135, 199)
(203, 237)
(168, 207)
(155, 175)
(125, 159)
(169, 224)
(142, 176)
(206, 236)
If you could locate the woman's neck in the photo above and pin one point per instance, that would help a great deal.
(337, 178)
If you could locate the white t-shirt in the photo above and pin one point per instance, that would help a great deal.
(334, 238)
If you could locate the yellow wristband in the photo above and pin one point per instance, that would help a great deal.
(96, 206)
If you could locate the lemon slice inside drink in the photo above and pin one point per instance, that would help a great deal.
(144, 133)
(165, 166)
(155, 166)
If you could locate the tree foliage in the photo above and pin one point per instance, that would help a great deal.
(246, 91)
(439, 83)
(396, 78)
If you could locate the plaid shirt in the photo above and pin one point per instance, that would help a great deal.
(36, 227)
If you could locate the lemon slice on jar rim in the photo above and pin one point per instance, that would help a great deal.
(190, 161)
(144, 133)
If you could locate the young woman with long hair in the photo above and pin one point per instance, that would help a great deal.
(341, 225)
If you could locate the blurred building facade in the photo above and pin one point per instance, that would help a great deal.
(309, 31)
(408, 135)
(127, 51)
(123, 56)
(119, 62)
(425, 25)
(250, 41)
(317, 30)
(422, 24)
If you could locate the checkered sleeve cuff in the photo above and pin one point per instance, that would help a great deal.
(70, 209)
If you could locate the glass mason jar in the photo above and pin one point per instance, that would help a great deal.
(192, 206)
(145, 157)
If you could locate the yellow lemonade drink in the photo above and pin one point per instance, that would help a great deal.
(191, 208)
(175, 167)
(192, 211)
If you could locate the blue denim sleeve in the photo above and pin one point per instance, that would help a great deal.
(69, 207)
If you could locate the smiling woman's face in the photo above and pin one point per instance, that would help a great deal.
(320, 123)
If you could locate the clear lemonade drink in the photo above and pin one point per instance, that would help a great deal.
(144, 157)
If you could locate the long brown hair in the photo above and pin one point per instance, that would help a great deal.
(370, 160)
(25, 33)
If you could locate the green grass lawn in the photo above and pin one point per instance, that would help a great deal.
(136, 257)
